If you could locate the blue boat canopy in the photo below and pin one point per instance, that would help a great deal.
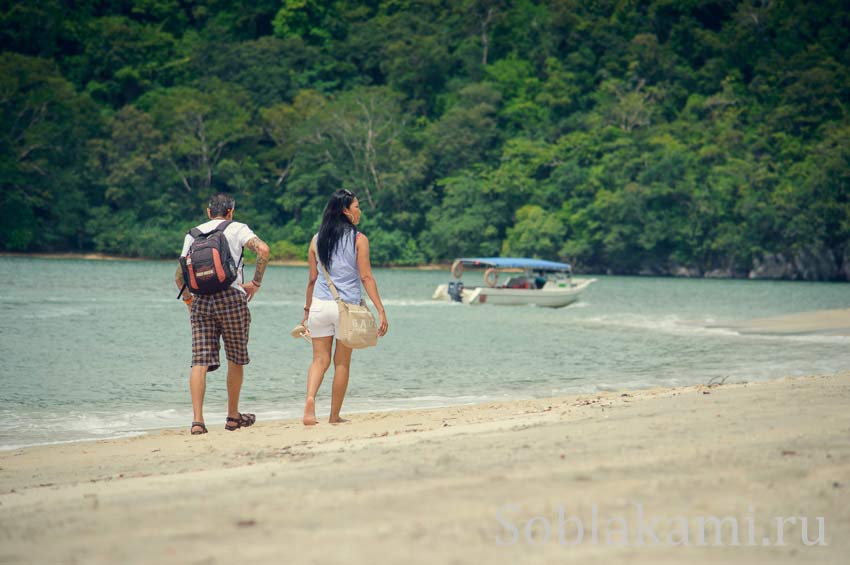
(515, 263)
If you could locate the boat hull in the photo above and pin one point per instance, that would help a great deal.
(546, 297)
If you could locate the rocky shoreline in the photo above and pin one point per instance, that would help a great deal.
(805, 265)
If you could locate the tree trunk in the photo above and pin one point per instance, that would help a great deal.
(485, 41)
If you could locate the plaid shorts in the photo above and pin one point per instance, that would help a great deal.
(221, 315)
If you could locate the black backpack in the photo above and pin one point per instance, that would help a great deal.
(208, 267)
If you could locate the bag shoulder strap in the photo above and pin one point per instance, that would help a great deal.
(196, 233)
(315, 246)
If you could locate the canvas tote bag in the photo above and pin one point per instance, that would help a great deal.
(357, 326)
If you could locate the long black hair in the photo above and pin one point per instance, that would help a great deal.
(335, 225)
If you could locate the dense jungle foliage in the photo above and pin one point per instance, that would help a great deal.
(662, 136)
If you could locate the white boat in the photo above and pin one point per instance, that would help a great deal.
(525, 281)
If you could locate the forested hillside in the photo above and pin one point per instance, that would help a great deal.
(698, 137)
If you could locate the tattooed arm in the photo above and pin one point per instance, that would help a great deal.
(259, 247)
(178, 280)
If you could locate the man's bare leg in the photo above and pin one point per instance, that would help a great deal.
(198, 387)
(315, 375)
(234, 387)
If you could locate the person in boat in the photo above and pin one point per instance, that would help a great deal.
(539, 280)
(344, 251)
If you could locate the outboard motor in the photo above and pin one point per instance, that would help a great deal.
(456, 291)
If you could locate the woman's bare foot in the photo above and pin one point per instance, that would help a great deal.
(338, 420)
(310, 412)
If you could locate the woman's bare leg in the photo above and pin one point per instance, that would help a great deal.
(342, 366)
(321, 362)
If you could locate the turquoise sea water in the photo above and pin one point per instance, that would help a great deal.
(95, 349)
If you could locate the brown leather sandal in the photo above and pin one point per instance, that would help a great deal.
(243, 421)
(201, 425)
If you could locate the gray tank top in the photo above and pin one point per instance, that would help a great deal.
(343, 273)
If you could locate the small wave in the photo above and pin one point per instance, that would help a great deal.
(403, 302)
(47, 428)
(93, 423)
(13, 446)
(804, 338)
(666, 324)
(441, 398)
(47, 314)
(709, 327)
(641, 385)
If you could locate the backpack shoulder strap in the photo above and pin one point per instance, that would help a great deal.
(222, 226)
(195, 232)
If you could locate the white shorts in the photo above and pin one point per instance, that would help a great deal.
(323, 320)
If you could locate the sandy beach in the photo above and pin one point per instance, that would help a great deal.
(508, 482)
(821, 322)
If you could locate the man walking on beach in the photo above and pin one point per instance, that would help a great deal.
(222, 315)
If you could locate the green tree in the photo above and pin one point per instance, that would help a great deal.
(361, 138)
(199, 127)
(701, 133)
(292, 129)
(271, 70)
(465, 222)
(45, 185)
(122, 59)
(468, 132)
(535, 233)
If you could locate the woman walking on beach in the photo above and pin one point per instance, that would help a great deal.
(344, 252)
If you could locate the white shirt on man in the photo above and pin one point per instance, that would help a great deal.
(237, 235)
